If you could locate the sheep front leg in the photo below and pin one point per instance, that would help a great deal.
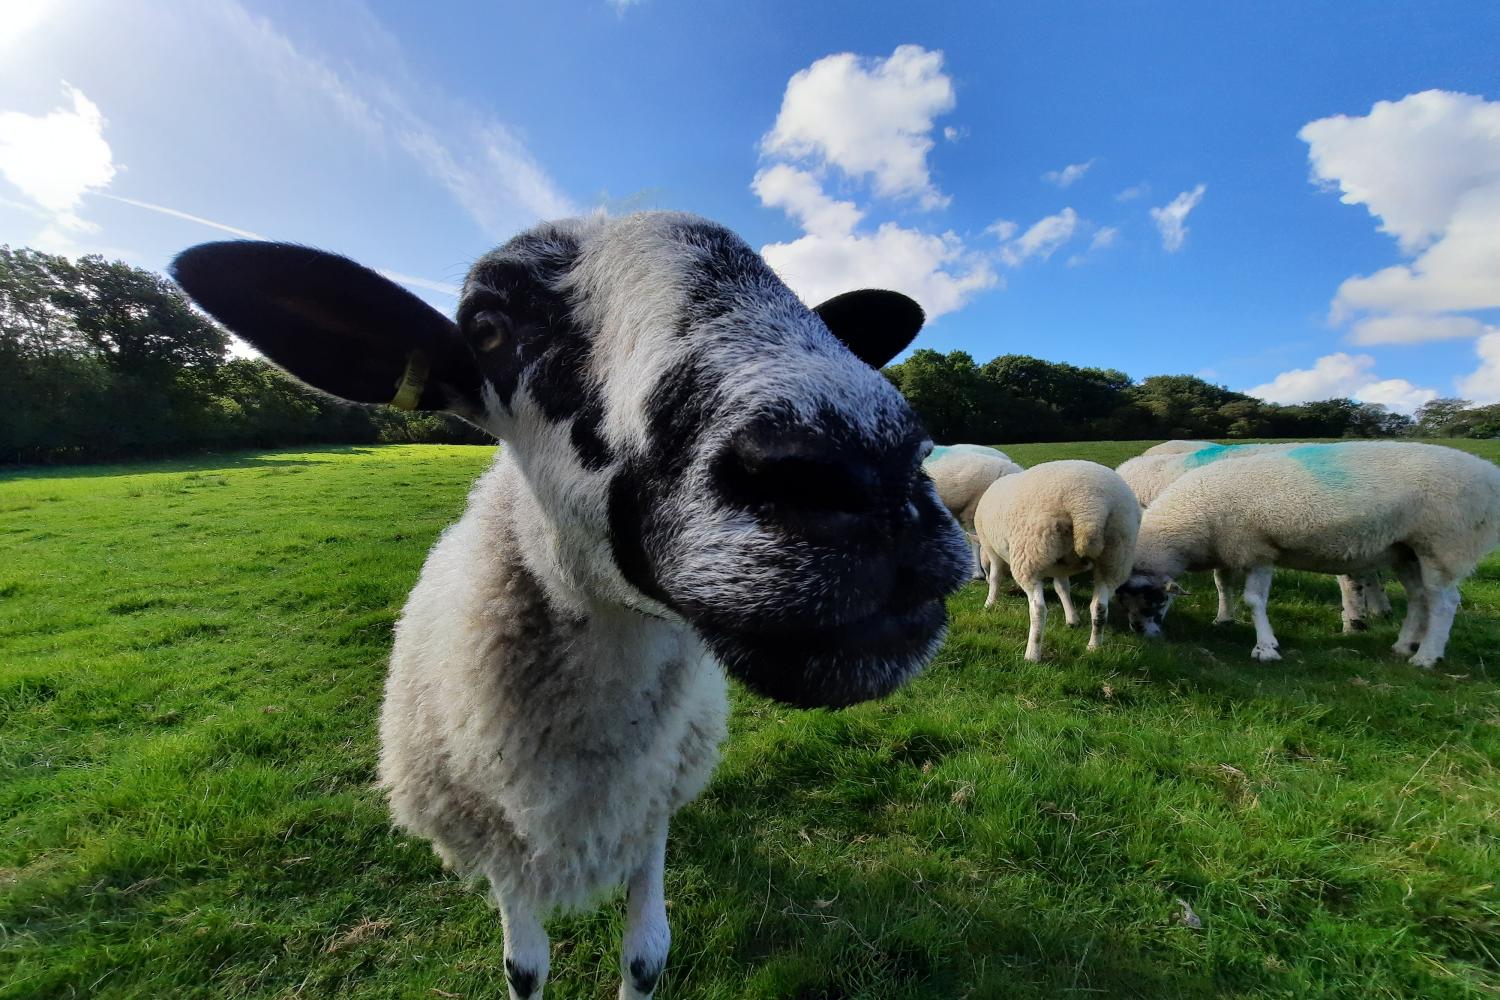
(1257, 593)
(1352, 593)
(526, 948)
(1099, 612)
(647, 935)
(1064, 588)
(1414, 625)
(1224, 584)
(978, 567)
(1036, 600)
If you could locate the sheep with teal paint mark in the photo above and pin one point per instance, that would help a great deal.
(1427, 512)
(1152, 472)
(961, 473)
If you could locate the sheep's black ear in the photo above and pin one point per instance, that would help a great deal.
(873, 323)
(333, 324)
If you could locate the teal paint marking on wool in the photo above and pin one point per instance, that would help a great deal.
(938, 451)
(1208, 455)
(1324, 461)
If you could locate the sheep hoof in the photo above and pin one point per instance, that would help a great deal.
(1034, 655)
(1425, 662)
(1223, 621)
(1356, 625)
(1404, 648)
(1264, 653)
(1075, 623)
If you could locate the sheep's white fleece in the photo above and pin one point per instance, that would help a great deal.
(1052, 521)
(518, 734)
(1429, 512)
(961, 473)
(1175, 446)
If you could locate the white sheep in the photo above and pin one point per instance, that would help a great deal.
(1054, 520)
(1175, 446)
(1150, 474)
(1428, 512)
(961, 473)
(699, 474)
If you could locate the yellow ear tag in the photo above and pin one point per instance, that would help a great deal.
(413, 381)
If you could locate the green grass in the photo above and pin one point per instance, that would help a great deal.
(191, 656)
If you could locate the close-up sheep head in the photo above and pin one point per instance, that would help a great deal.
(699, 444)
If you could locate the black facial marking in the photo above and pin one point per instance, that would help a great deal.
(626, 536)
(724, 269)
(645, 972)
(523, 981)
(542, 344)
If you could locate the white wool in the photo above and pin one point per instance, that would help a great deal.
(1055, 520)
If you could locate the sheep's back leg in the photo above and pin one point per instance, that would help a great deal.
(1377, 601)
(998, 568)
(647, 934)
(1257, 594)
(1354, 600)
(1224, 584)
(526, 947)
(1064, 588)
(978, 567)
(1036, 602)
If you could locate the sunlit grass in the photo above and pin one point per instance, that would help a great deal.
(191, 656)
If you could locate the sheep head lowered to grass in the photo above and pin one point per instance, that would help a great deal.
(698, 470)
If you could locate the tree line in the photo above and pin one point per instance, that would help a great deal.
(1016, 397)
(102, 360)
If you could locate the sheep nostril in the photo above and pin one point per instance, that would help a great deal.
(802, 475)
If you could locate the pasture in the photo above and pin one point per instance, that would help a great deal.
(191, 656)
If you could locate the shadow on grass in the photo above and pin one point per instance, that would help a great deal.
(205, 462)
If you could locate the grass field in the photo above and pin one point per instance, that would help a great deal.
(191, 657)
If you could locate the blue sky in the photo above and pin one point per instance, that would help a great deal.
(1297, 199)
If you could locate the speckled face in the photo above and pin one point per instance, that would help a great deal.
(747, 471)
(1146, 599)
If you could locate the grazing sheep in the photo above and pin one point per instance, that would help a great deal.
(961, 473)
(1054, 520)
(1150, 474)
(1176, 447)
(1430, 513)
(700, 474)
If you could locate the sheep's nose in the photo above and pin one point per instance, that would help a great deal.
(816, 484)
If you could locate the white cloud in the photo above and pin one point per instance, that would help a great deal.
(870, 122)
(1104, 238)
(1132, 193)
(953, 134)
(936, 270)
(57, 158)
(1171, 218)
(19, 16)
(1002, 229)
(1483, 384)
(801, 196)
(870, 118)
(1341, 375)
(1416, 328)
(1427, 167)
(1067, 175)
(1042, 238)
(477, 159)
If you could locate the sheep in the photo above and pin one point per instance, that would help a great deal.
(961, 473)
(1176, 447)
(699, 474)
(1054, 520)
(1150, 474)
(1429, 512)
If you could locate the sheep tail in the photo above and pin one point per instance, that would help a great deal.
(1088, 537)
